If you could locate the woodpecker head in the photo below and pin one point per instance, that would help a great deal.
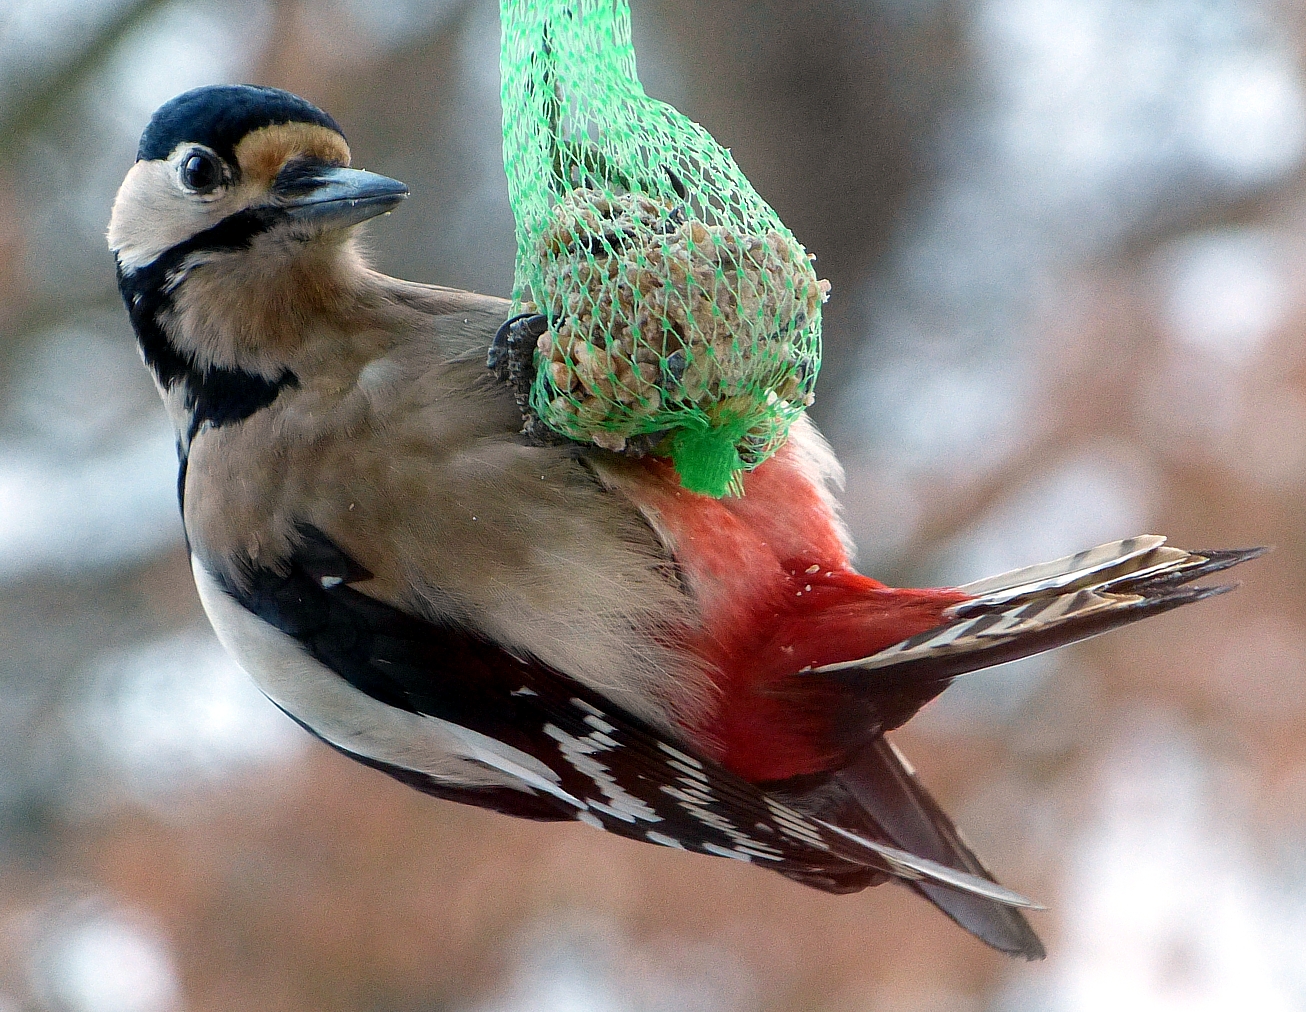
(221, 168)
(232, 232)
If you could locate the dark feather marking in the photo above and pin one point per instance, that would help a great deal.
(909, 817)
(883, 800)
(1216, 561)
(183, 462)
(984, 622)
(300, 176)
(322, 561)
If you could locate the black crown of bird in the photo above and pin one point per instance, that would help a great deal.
(550, 629)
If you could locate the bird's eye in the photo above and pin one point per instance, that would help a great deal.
(200, 172)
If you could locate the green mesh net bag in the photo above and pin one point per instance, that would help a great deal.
(667, 308)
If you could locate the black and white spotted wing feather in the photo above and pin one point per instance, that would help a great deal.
(596, 764)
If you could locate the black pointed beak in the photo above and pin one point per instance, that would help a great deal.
(335, 197)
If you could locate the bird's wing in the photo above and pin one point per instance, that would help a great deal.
(388, 687)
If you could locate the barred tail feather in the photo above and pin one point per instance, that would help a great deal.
(1035, 609)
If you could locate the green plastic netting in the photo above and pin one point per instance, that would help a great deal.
(681, 317)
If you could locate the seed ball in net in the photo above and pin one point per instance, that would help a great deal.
(653, 314)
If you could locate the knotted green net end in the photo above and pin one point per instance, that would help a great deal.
(708, 460)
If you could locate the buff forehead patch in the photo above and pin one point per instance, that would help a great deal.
(260, 155)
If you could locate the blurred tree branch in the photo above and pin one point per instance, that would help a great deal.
(33, 103)
(35, 100)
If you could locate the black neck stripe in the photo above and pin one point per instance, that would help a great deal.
(215, 395)
(226, 396)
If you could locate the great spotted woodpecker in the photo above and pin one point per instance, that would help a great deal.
(551, 631)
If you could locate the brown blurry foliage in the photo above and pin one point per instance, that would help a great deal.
(324, 886)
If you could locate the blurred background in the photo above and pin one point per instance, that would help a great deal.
(1066, 239)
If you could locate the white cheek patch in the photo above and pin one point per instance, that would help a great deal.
(152, 213)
